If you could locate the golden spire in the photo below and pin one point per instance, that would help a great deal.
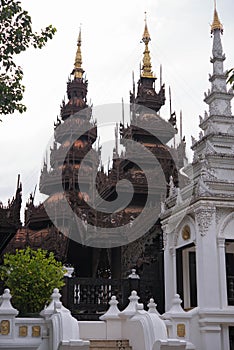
(146, 69)
(78, 70)
(216, 22)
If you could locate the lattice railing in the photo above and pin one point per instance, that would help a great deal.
(90, 296)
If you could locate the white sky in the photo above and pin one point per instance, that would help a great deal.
(111, 34)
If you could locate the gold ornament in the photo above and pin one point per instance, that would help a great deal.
(36, 331)
(186, 234)
(5, 327)
(146, 69)
(78, 70)
(181, 330)
(216, 22)
(23, 331)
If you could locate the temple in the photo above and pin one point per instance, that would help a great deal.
(198, 221)
(174, 239)
(10, 218)
(70, 240)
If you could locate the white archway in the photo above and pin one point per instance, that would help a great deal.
(226, 229)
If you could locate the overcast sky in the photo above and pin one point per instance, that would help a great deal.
(111, 48)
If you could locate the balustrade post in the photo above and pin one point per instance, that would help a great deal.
(134, 281)
(7, 317)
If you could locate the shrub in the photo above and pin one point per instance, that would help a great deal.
(31, 275)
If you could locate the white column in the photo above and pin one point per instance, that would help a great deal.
(207, 259)
(225, 338)
(170, 276)
(222, 272)
(174, 286)
(211, 337)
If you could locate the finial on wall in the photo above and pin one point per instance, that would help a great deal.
(216, 22)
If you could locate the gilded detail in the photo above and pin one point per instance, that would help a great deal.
(216, 22)
(147, 67)
(5, 327)
(186, 234)
(181, 330)
(36, 331)
(23, 331)
(78, 70)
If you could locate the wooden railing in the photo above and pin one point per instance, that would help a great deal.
(88, 298)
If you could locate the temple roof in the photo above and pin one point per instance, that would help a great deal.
(10, 217)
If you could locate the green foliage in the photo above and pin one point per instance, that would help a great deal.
(231, 77)
(31, 276)
(16, 35)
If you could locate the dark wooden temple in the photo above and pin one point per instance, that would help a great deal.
(146, 253)
(10, 218)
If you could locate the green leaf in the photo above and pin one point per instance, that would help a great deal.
(16, 36)
(31, 275)
(230, 79)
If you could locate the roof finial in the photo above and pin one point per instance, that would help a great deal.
(146, 32)
(78, 70)
(146, 69)
(216, 22)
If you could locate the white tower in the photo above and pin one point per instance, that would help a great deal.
(198, 222)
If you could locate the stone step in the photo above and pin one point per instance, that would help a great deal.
(110, 345)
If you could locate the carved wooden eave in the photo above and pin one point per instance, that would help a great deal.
(76, 92)
(155, 127)
(36, 217)
(63, 132)
(147, 96)
(10, 219)
(46, 238)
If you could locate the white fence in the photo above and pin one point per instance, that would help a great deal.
(56, 329)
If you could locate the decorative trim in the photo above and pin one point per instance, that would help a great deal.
(211, 128)
(230, 130)
(186, 232)
(166, 233)
(194, 141)
(36, 331)
(181, 330)
(202, 189)
(164, 239)
(220, 214)
(209, 149)
(187, 221)
(225, 222)
(172, 251)
(176, 236)
(5, 327)
(221, 242)
(207, 172)
(23, 331)
(120, 345)
(204, 217)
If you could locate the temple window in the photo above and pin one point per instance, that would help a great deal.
(229, 254)
(186, 275)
